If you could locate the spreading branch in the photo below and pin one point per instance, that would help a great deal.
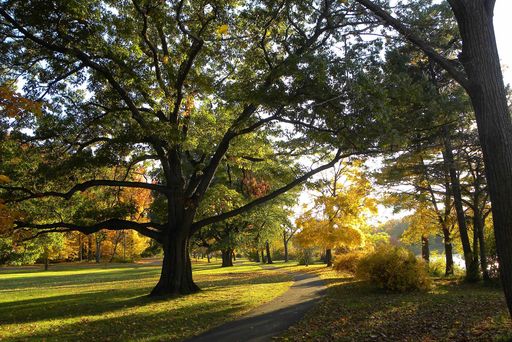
(82, 187)
(149, 229)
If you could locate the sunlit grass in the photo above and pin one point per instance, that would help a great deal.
(98, 303)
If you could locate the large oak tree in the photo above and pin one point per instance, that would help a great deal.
(183, 85)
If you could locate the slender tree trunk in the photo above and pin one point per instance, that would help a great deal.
(116, 243)
(208, 257)
(46, 260)
(262, 256)
(98, 250)
(89, 247)
(469, 258)
(227, 259)
(328, 257)
(448, 251)
(80, 247)
(479, 227)
(285, 243)
(176, 275)
(425, 249)
(269, 258)
(234, 255)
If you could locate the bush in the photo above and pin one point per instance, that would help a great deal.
(394, 269)
(347, 262)
(437, 267)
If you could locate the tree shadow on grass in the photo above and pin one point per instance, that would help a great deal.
(168, 325)
(70, 305)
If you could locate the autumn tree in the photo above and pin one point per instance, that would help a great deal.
(338, 218)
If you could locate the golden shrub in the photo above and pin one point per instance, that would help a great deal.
(394, 269)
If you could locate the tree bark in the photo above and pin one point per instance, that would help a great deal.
(478, 225)
(89, 247)
(46, 260)
(328, 257)
(469, 258)
(262, 256)
(425, 249)
(98, 250)
(285, 242)
(80, 247)
(227, 259)
(448, 251)
(176, 275)
(269, 258)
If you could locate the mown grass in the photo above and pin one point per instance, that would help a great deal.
(452, 311)
(110, 303)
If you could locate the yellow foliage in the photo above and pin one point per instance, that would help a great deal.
(13, 105)
(4, 179)
(222, 29)
(394, 269)
(7, 218)
(338, 220)
(347, 262)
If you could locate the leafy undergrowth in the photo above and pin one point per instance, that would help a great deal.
(452, 311)
(110, 304)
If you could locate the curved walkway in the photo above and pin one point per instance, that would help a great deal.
(273, 318)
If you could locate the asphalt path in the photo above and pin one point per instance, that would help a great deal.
(273, 318)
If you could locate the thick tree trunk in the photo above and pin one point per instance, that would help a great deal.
(176, 275)
(285, 243)
(448, 251)
(425, 249)
(488, 96)
(269, 259)
(227, 257)
(328, 257)
(469, 258)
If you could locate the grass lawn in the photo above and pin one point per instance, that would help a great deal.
(110, 303)
(355, 311)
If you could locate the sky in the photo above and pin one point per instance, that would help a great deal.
(503, 29)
